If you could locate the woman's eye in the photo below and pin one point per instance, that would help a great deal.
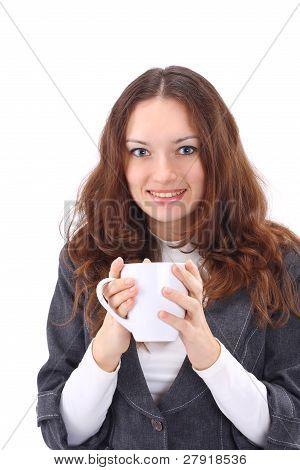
(190, 147)
(134, 150)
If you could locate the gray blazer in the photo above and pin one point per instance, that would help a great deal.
(187, 417)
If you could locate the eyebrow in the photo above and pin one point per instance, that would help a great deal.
(173, 142)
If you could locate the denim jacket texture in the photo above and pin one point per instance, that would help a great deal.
(187, 416)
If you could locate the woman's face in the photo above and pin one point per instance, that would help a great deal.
(154, 161)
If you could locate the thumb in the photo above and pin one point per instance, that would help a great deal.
(116, 267)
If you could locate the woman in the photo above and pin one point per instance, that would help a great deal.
(231, 380)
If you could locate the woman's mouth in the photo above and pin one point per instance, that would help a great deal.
(168, 197)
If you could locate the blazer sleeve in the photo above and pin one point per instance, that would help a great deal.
(66, 345)
(281, 376)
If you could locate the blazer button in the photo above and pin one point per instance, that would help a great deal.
(156, 424)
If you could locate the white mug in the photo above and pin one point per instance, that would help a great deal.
(142, 319)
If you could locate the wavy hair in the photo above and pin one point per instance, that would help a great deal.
(239, 246)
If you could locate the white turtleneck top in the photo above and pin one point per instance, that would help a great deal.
(89, 390)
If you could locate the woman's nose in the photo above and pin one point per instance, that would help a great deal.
(164, 169)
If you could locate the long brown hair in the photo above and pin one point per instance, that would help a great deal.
(240, 247)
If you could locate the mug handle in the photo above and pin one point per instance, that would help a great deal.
(102, 300)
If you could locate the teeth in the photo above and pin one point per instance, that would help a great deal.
(167, 194)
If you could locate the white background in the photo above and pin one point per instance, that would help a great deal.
(92, 50)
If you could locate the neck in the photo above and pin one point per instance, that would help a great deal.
(165, 238)
(170, 231)
(165, 232)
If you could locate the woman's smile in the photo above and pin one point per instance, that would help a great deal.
(166, 199)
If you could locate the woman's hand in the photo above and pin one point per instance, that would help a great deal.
(113, 339)
(203, 349)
